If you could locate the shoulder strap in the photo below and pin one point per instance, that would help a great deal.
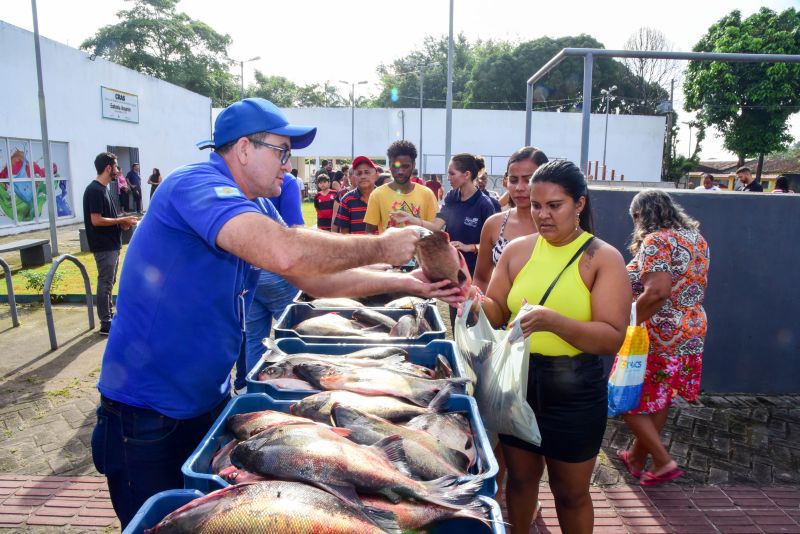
(570, 262)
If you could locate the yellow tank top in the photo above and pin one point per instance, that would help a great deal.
(570, 296)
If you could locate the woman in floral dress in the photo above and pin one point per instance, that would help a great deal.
(669, 275)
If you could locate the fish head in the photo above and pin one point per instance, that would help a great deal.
(278, 370)
(316, 373)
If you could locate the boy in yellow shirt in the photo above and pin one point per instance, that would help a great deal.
(400, 195)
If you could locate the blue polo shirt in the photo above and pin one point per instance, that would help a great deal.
(288, 202)
(182, 300)
(464, 220)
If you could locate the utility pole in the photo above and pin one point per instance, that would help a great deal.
(449, 104)
(352, 115)
(48, 167)
(421, 157)
(607, 94)
(241, 78)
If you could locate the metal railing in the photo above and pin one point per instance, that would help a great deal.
(48, 307)
(12, 300)
(590, 54)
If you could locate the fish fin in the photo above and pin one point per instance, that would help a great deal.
(394, 359)
(443, 369)
(272, 349)
(441, 399)
(347, 493)
(448, 492)
(384, 519)
(392, 448)
(344, 432)
(391, 495)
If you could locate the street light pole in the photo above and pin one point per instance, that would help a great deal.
(449, 104)
(607, 94)
(48, 168)
(421, 156)
(241, 78)
(353, 115)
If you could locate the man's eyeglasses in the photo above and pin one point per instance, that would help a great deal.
(286, 153)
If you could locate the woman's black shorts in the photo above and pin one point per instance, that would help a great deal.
(569, 395)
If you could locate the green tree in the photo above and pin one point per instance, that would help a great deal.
(749, 103)
(284, 93)
(155, 39)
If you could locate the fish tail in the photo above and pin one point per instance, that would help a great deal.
(446, 492)
(384, 519)
(440, 401)
(476, 510)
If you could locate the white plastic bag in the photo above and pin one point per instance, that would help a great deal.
(498, 368)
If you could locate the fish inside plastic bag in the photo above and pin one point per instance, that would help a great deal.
(496, 361)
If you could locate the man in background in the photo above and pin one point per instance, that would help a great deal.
(135, 185)
(353, 207)
(104, 234)
(748, 182)
(708, 184)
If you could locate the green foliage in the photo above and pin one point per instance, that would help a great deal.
(284, 93)
(493, 75)
(750, 103)
(155, 39)
(35, 280)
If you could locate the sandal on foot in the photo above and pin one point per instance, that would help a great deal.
(624, 457)
(651, 479)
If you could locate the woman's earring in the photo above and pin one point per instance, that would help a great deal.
(577, 219)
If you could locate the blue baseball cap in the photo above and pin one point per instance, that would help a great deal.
(254, 115)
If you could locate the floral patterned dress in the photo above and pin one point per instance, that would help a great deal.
(677, 331)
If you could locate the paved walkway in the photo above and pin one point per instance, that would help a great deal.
(741, 453)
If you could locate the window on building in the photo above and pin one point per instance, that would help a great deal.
(23, 191)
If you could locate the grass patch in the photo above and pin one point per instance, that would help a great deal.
(72, 281)
(65, 392)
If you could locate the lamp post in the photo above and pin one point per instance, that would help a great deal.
(353, 115)
(607, 94)
(241, 78)
(448, 134)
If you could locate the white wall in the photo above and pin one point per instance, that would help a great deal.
(634, 142)
(171, 119)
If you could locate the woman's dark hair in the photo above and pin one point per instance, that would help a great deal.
(782, 183)
(653, 210)
(156, 172)
(465, 162)
(528, 153)
(401, 148)
(571, 179)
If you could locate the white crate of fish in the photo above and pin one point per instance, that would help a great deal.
(283, 372)
(280, 507)
(445, 444)
(361, 325)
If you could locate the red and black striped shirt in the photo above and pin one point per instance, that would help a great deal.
(324, 205)
(352, 210)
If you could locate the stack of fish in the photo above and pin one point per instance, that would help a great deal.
(296, 372)
(365, 322)
(372, 463)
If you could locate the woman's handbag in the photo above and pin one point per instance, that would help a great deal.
(627, 374)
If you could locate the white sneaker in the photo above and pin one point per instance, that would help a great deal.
(240, 391)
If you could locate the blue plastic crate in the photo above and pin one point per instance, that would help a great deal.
(295, 313)
(162, 504)
(197, 468)
(419, 354)
(158, 507)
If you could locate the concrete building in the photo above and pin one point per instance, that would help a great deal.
(93, 105)
(633, 148)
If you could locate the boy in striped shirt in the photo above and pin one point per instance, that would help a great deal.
(323, 202)
(353, 206)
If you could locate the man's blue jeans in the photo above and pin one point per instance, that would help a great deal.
(141, 451)
(271, 298)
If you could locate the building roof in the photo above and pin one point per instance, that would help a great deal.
(771, 166)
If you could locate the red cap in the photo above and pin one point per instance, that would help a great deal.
(362, 159)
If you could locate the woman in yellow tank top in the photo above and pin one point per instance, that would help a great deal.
(584, 315)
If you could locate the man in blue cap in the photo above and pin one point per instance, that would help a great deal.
(186, 284)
